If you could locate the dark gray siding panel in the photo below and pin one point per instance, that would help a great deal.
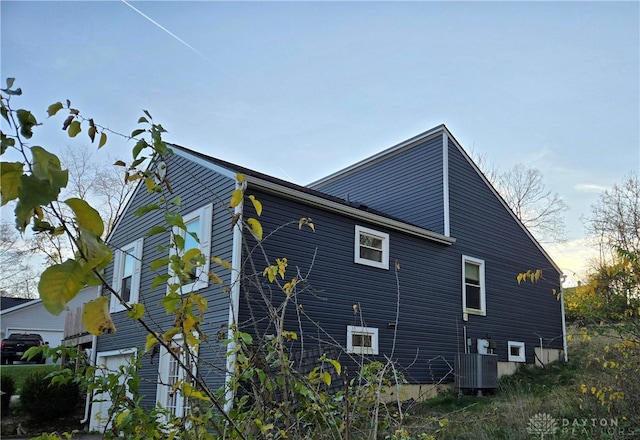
(485, 229)
(196, 186)
(406, 185)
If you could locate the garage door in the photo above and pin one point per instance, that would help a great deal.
(53, 337)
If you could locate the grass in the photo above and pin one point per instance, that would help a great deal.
(506, 414)
(21, 371)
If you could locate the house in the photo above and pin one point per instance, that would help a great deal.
(19, 315)
(414, 257)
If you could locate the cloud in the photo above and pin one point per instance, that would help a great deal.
(575, 258)
(590, 187)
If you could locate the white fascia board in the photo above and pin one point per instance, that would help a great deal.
(381, 155)
(204, 163)
(504, 203)
(349, 211)
(445, 181)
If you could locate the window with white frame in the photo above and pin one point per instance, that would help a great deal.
(371, 247)
(196, 236)
(473, 286)
(516, 351)
(362, 340)
(127, 267)
(171, 377)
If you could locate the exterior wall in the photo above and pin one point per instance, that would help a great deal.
(485, 229)
(407, 185)
(196, 186)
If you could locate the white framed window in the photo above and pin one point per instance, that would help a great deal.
(371, 247)
(197, 236)
(362, 340)
(171, 375)
(473, 286)
(516, 351)
(127, 267)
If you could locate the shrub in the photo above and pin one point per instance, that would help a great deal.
(43, 399)
(8, 387)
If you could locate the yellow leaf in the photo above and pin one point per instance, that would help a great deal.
(215, 278)
(240, 177)
(236, 198)
(152, 340)
(538, 274)
(221, 262)
(326, 378)
(10, 175)
(150, 184)
(170, 334)
(103, 139)
(120, 419)
(136, 312)
(336, 365)
(96, 318)
(256, 205)
(520, 277)
(189, 323)
(255, 228)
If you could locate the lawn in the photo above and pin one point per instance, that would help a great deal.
(20, 371)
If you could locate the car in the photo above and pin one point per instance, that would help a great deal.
(13, 348)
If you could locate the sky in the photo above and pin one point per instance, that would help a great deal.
(299, 90)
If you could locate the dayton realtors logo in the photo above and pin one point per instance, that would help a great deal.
(542, 425)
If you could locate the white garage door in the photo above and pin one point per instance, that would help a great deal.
(53, 337)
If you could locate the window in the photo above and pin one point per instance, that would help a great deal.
(473, 289)
(362, 340)
(171, 376)
(197, 236)
(371, 248)
(516, 351)
(127, 266)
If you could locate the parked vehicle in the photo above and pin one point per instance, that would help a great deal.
(13, 347)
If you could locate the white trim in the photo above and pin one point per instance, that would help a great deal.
(483, 297)
(347, 210)
(372, 331)
(205, 215)
(522, 357)
(118, 267)
(445, 181)
(180, 151)
(165, 359)
(361, 230)
(234, 305)
(21, 306)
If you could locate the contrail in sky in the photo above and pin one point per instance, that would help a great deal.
(165, 29)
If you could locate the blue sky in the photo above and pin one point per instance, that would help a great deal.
(301, 89)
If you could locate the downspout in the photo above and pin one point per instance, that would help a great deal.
(565, 348)
(94, 356)
(234, 303)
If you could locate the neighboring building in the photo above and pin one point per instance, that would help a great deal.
(421, 206)
(19, 315)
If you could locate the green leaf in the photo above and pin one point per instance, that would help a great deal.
(74, 129)
(137, 132)
(10, 82)
(142, 119)
(145, 209)
(10, 174)
(46, 166)
(140, 145)
(32, 192)
(103, 139)
(96, 252)
(147, 113)
(157, 264)
(54, 108)
(160, 280)
(136, 312)
(27, 122)
(86, 216)
(59, 284)
(174, 219)
(155, 230)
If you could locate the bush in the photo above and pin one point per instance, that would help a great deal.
(8, 387)
(43, 399)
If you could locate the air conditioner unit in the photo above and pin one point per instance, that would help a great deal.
(476, 371)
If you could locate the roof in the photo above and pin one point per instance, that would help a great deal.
(8, 304)
(310, 196)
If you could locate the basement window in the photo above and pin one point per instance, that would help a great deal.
(362, 340)
(516, 351)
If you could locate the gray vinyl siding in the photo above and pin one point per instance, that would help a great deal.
(197, 186)
(407, 185)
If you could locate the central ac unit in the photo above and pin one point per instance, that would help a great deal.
(476, 371)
